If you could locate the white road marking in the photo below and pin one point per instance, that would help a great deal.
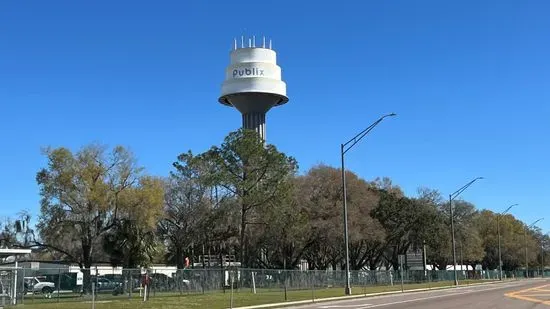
(447, 292)
(344, 306)
(367, 306)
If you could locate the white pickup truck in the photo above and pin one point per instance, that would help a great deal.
(38, 285)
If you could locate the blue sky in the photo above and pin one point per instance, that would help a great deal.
(469, 80)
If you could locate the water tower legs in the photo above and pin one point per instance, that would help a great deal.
(255, 121)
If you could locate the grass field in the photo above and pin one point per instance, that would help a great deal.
(215, 300)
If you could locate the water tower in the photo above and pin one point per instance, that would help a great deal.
(253, 83)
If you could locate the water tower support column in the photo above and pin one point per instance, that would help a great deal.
(256, 122)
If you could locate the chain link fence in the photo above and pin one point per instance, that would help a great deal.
(233, 286)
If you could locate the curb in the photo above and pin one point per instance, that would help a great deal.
(326, 299)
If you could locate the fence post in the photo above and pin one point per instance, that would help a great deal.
(231, 298)
(93, 294)
(401, 262)
(3, 289)
(154, 283)
(23, 287)
(129, 282)
(58, 283)
(202, 277)
(312, 283)
(285, 278)
(222, 272)
(145, 286)
(402, 283)
(32, 275)
(253, 282)
(365, 278)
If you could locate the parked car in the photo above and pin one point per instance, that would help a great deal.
(104, 284)
(38, 285)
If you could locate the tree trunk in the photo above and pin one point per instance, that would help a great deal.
(85, 268)
(180, 262)
(473, 271)
(87, 278)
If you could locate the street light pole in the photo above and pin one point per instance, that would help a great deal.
(525, 241)
(526, 260)
(453, 238)
(542, 257)
(346, 238)
(542, 253)
(451, 198)
(499, 241)
(343, 149)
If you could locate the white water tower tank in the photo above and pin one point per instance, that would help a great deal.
(253, 83)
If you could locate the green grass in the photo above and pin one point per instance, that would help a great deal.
(213, 300)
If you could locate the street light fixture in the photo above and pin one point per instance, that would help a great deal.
(343, 149)
(451, 198)
(499, 241)
(525, 240)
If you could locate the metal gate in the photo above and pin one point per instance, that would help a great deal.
(11, 286)
(6, 286)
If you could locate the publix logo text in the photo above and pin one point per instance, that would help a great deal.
(248, 72)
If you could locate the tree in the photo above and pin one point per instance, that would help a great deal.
(366, 234)
(545, 247)
(132, 241)
(254, 173)
(512, 240)
(436, 234)
(469, 244)
(197, 212)
(407, 222)
(284, 233)
(18, 232)
(439, 245)
(533, 241)
(319, 192)
(8, 234)
(83, 197)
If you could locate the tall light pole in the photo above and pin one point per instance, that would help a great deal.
(499, 241)
(451, 198)
(525, 241)
(344, 148)
(542, 253)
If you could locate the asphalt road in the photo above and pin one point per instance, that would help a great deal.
(525, 294)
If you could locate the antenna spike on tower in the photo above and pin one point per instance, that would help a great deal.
(249, 42)
(235, 43)
(270, 45)
(242, 41)
(264, 42)
(253, 41)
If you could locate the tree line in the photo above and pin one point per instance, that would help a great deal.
(247, 199)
